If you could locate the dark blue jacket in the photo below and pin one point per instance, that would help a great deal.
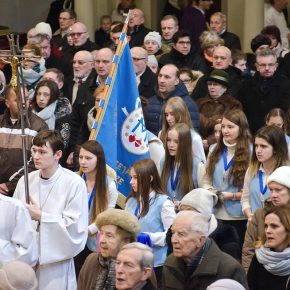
(153, 110)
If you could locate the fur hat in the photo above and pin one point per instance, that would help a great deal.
(152, 59)
(43, 28)
(120, 218)
(259, 40)
(219, 76)
(153, 35)
(17, 275)
(281, 175)
(225, 284)
(200, 199)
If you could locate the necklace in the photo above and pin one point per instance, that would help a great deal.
(67, 4)
(41, 205)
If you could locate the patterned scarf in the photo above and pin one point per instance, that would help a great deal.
(106, 275)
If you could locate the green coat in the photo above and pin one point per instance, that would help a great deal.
(214, 266)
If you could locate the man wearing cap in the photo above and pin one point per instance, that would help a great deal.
(266, 90)
(196, 261)
(213, 106)
(17, 275)
(183, 54)
(117, 228)
(145, 78)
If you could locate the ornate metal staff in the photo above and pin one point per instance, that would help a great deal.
(14, 57)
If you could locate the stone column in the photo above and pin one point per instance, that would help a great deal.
(253, 21)
(85, 13)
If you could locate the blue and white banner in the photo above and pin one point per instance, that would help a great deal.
(121, 128)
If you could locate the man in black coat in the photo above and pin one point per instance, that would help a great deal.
(136, 28)
(218, 23)
(146, 79)
(222, 59)
(183, 54)
(81, 96)
(266, 90)
(81, 40)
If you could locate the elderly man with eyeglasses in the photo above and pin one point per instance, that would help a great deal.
(80, 93)
(266, 90)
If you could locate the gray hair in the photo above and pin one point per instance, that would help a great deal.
(266, 52)
(199, 222)
(147, 253)
(222, 16)
(209, 39)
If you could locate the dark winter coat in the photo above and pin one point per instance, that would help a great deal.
(153, 110)
(259, 95)
(215, 265)
(192, 60)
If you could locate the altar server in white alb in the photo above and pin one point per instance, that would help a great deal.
(17, 237)
(59, 208)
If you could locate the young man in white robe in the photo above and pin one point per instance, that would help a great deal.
(59, 208)
(17, 237)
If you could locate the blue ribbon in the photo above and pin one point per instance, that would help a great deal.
(227, 165)
(92, 194)
(262, 189)
(174, 181)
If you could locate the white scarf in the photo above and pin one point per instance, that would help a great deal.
(277, 263)
(47, 115)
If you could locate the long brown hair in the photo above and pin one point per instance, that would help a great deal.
(183, 157)
(100, 200)
(181, 115)
(148, 179)
(242, 153)
(276, 138)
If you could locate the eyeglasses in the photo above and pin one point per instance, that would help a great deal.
(76, 34)
(264, 65)
(184, 42)
(138, 59)
(187, 81)
(80, 62)
(63, 18)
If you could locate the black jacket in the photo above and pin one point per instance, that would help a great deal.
(192, 60)
(83, 103)
(259, 95)
(231, 40)
(138, 35)
(148, 84)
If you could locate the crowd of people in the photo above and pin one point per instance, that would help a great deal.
(210, 208)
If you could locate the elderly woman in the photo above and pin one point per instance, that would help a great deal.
(209, 40)
(270, 267)
(279, 185)
(213, 106)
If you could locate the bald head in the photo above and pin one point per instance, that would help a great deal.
(79, 33)
(103, 62)
(137, 18)
(222, 57)
(140, 59)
